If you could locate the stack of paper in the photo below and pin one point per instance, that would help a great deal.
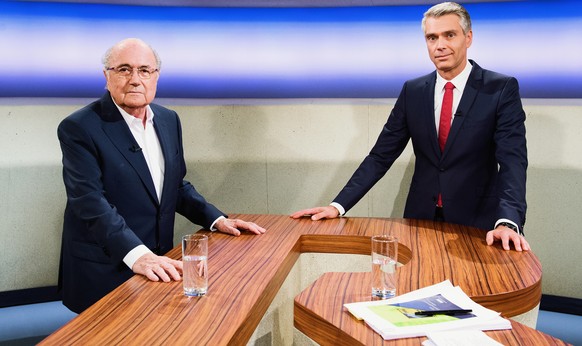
(395, 318)
(459, 338)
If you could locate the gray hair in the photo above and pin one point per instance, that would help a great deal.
(449, 8)
(106, 59)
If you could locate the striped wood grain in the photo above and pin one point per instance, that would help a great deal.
(319, 313)
(246, 273)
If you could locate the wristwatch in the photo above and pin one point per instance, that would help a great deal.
(508, 225)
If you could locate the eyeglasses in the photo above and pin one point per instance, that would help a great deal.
(126, 71)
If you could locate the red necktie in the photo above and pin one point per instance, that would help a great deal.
(445, 122)
(446, 115)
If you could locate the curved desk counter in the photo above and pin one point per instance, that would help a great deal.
(247, 271)
(319, 313)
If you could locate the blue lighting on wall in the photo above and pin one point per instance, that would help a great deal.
(55, 49)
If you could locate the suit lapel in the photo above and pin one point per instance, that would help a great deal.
(472, 87)
(162, 131)
(428, 92)
(118, 132)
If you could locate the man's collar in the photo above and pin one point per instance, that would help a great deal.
(130, 118)
(459, 81)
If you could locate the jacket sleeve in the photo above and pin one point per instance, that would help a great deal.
(192, 204)
(511, 154)
(390, 143)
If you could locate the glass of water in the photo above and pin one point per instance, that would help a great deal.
(195, 264)
(384, 261)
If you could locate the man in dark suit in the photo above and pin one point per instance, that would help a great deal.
(478, 176)
(123, 169)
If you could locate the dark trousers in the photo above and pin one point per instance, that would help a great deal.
(438, 214)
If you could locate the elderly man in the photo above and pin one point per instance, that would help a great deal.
(123, 169)
(467, 130)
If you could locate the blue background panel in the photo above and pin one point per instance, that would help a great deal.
(55, 49)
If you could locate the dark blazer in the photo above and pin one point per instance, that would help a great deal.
(112, 206)
(482, 171)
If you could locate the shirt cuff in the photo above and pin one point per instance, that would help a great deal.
(212, 228)
(510, 222)
(135, 254)
(339, 208)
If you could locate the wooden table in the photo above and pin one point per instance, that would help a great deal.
(319, 313)
(246, 272)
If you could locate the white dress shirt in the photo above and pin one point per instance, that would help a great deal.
(147, 139)
(439, 91)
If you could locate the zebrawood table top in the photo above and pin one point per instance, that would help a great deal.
(319, 313)
(246, 273)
